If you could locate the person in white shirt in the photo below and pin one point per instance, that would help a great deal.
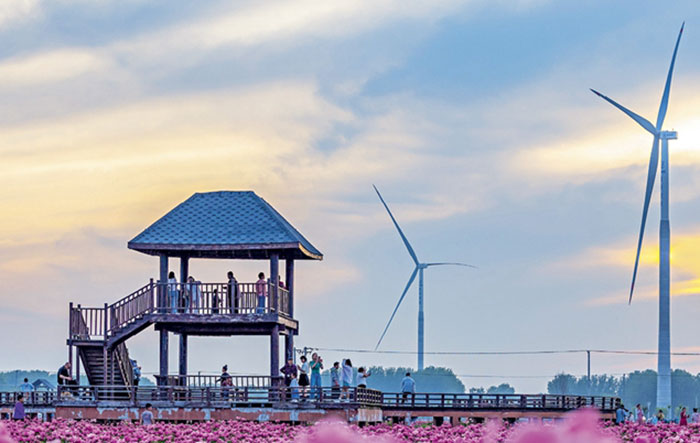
(346, 379)
(362, 376)
(173, 292)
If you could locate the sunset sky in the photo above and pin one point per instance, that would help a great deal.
(474, 119)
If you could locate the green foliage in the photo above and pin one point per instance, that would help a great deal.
(10, 380)
(503, 388)
(567, 384)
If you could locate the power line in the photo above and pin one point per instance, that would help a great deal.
(535, 352)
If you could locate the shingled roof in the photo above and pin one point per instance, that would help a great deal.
(224, 224)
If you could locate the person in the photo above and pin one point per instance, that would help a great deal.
(362, 375)
(303, 376)
(620, 414)
(136, 372)
(173, 292)
(232, 293)
(226, 382)
(684, 417)
(660, 418)
(408, 387)
(261, 291)
(316, 366)
(346, 378)
(147, 415)
(215, 302)
(695, 416)
(18, 411)
(639, 414)
(335, 380)
(281, 282)
(194, 289)
(294, 387)
(290, 371)
(26, 386)
(64, 379)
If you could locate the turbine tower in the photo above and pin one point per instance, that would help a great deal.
(663, 389)
(420, 267)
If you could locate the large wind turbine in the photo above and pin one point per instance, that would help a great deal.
(663, 389)
(420, 267)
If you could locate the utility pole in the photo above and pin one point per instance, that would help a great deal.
(588, 354)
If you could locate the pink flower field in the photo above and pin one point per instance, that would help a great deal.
(579, 427)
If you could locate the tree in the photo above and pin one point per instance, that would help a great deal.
(562, 384)
(477, 391)
(430, 379)
(503, 388)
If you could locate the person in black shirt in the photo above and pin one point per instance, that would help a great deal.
(64, 378)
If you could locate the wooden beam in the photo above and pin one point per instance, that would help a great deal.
(288, 346)
(183, 355)
(275, 352)
(275, 281)
(289, 279)
(162, 280)
(163, 355)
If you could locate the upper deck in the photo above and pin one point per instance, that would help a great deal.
(189, 308)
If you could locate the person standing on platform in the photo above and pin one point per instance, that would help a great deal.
(26, 386)
(226, 382)
(408, 387)
(335, 380)
(346, 379)
(261, 291)
(18, 411)
(316, 366)
(64, 378)
(173, 293)
(136, 372)
(303, 376)
(290, 371)
(362, 375)
(232, 293)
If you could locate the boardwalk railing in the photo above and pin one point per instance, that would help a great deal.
(176, 298)
(244, 396)
(204, 381)
(497, 401)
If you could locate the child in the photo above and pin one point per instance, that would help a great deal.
(147, 416)
(294, 387)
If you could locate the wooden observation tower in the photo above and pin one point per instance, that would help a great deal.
(214, 225)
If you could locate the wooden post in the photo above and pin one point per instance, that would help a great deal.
(288, 346)
(162, 289)
(184, 272)
(183, 359)
(274, 281)
(163, 357)
(104, 363)
(275, 353)
(289, 276)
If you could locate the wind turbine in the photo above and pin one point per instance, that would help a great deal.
(420, 267)
(663, 389)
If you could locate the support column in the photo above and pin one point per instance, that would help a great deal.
(663, 385)
(77, 365)
(274, 282)
(288, 346)
(163, 357)
(275, 353)
(162, 280)
(289, 278)
(184, 272)
(183, 359)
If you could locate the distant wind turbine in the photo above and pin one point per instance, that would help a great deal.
(417, 270)
(663, 390)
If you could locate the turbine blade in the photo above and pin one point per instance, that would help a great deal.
(651, 176)
(403, 237)
(644, 123)
(408, 285)
(667, 89)
(450, 264)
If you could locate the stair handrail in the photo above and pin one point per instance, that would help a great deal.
(124, 363)
(134, 305)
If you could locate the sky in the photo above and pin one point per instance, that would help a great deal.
(473, 118)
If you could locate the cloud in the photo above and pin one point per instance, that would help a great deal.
(50, 67)
(685, 266)
(14, 12)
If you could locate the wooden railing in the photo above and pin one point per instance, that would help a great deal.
(132, 306)
(34, 398)
(175, 298)
(208, 380)
(221, 298)
(497, 401)
(121, 354)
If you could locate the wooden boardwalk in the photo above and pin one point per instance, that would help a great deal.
(172, 403)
